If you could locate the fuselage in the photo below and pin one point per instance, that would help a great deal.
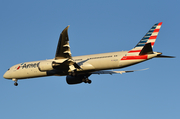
(88, 63)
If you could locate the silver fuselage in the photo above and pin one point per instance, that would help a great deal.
(88, 63)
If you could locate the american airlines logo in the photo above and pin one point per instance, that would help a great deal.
(24, 65)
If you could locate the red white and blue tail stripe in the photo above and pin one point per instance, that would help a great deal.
(150, 37)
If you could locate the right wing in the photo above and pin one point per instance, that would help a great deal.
(63, 53)
(63, 48)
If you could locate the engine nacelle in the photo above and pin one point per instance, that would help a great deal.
(45, 65)
(74, 80)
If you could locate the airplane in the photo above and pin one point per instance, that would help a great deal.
(78, 69)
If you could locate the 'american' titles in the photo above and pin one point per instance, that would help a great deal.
(29, 65)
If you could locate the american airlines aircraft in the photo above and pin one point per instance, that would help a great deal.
(78, 69)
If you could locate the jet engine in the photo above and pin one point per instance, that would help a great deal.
(77, 79)
(45, 65)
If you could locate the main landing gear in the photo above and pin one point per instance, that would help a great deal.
(15, 82)
(86, 80)
(72, 73)
(80, 78)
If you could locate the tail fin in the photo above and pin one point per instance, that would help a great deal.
(149, 38)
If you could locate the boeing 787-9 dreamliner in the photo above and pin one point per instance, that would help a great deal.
(78, 69)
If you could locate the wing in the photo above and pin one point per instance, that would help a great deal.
(63, 48)
(63, 52)
(116, 72)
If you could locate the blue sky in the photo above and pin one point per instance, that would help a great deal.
(30, 30)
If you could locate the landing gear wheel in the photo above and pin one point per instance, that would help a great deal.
(16, 84)
(72, 73)
(89, 81)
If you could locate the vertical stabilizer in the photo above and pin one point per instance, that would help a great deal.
(149, 38)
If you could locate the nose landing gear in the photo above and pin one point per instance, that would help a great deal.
(15, 82)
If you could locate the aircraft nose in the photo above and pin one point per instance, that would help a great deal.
(7, 75)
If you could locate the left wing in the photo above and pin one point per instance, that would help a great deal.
(116, 72)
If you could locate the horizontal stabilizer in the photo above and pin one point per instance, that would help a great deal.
(147, 49)
(164, 56)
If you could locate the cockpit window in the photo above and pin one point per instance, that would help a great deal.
(8, 69)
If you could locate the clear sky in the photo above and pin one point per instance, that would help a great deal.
(29, 31)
